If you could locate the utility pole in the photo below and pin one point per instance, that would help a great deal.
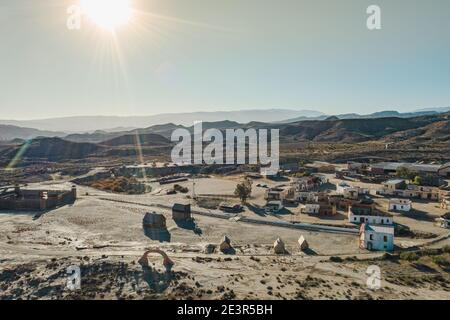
(193, 188)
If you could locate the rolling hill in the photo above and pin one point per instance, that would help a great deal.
(150, 139)
(52, 149)
(9, 132)
(81, 124)
(156, 140)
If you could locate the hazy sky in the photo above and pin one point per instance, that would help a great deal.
(192, 55)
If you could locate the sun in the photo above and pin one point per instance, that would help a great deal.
(108, 14)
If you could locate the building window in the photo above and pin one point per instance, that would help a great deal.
(385, 238)
(371, 237)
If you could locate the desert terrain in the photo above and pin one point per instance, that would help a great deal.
(102, 234)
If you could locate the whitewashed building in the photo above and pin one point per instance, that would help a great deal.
(376, 237)
(307, 197)
(350, 192)
(368, 215)
(311, 208)
(400, 205)
(273, 206)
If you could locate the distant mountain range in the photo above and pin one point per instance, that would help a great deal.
(155, 140)
(112, 123)
(9, 132)
(107, 124)
(375, 115)
(97, 129)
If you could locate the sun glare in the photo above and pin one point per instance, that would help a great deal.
(108, 14)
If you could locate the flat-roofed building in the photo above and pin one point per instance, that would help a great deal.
(400, 205)
(311, 208)
(364, 214)
(391, 168)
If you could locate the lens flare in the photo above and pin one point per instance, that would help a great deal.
(108, 14)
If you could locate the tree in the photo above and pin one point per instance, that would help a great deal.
(417, 181)
(244, 190)
(405, 173)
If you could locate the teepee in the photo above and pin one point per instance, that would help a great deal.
(225, 245)
(303, 243)
(278, 246)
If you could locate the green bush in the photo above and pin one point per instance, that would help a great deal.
(336, 259)
(409, 256)
(430, 252)
(441, 261)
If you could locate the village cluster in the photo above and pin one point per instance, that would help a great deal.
(320, 191)
(317, 197)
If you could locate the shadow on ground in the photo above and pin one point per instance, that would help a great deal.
(161, 235)
(418, 215)
(190, 225)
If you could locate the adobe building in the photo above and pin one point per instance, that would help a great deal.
(35, 200)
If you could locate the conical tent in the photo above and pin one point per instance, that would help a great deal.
(303, 243)
(278, 246)
(225, 245)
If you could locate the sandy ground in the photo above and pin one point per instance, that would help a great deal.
(105, 239)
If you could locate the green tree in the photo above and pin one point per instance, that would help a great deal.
(244, 190)
(417, 180)
(405, 173)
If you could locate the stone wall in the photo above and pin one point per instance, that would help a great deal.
(36, 200)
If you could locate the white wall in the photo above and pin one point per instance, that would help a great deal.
(369, 219)
(399, 206)
(378, 241)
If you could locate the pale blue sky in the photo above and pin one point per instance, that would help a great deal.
(225, 55)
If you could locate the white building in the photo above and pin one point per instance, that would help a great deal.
(376, 237)
(306, 196)
(350, 192)
(312, 208)
(400, 205)
(273, 206)
(341, 186)
(368, 215)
